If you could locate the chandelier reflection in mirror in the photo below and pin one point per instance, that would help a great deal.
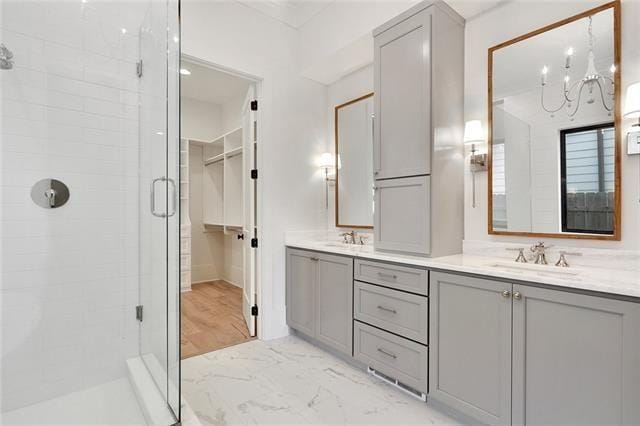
(593, 84)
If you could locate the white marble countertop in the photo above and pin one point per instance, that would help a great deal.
(618, 281)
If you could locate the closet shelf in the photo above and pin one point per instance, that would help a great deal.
(217, 225)
(214, 159)
(226, 135)
(233, 152)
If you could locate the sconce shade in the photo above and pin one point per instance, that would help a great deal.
(326, 161)
(632, 101)
(473, 132)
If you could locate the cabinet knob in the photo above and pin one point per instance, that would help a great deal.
(506, 294)
(517, 295)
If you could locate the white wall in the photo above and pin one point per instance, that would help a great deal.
(200, 120)
(207, 247)
(292, 130)
(349, 87)
(506, 22)
(338, 40)
(69, 278)
(232, 114)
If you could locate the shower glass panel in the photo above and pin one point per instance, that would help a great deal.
(159, 203)
(77, 109)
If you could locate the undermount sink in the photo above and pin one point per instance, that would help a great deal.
(336, 244)
(538, 269)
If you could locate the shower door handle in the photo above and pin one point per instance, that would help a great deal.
(153, 197)
(174, 200)
(174, 197)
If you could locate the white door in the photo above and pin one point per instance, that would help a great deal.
(249, 136)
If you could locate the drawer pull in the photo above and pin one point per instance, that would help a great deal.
(387, 276)
(387, 353)
(315, 259)
(382, 308)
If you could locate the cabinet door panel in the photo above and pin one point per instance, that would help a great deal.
(576, 359)
(402, 215)
(470, 346)
(300, 290)
(334, 302)
(402, 140)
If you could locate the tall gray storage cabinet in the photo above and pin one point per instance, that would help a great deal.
(418, 131)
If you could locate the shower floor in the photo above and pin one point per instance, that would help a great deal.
(113, 403)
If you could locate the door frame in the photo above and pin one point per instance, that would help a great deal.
(258, 84)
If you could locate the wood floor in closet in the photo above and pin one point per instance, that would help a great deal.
(211, 315)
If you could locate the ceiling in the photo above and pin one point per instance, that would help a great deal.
(210, 85)
(296, 13)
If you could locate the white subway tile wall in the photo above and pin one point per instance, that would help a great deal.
(69, 111)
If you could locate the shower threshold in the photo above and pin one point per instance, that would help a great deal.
(111, 403)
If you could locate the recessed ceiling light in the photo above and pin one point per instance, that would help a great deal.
(123, 30)
(185, 71)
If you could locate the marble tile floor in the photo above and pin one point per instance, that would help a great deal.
(289, 381)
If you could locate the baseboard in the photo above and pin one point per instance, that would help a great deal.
(207, 280)
(231, 282)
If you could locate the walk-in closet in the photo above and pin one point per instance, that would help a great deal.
(217, 204)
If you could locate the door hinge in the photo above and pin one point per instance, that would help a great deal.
(254, 310)
(139, 313)
(254, 243)
(139, 68)
(254, 174)
(254, 105)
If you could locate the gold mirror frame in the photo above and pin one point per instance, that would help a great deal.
(615, 5)
(337, 191)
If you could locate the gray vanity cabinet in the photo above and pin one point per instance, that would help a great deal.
(402, 84)
(576, 359)
(319, 297)
(504, 353)
(470, 338)
(300, 290)
(334, 302)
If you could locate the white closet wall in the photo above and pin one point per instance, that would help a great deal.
(201, 121)
(215, 188)
(207, 247)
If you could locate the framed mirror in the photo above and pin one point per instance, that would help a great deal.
(354, 165)
(554, 129)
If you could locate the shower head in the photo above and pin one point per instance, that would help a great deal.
(5, 58)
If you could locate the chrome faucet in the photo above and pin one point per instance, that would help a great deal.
(349, 237)
(562, 261)
(539, 253)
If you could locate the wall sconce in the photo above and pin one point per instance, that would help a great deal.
(632, 110)
(473, 134)
(327, 162)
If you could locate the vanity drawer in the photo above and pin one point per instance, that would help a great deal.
(403, 278)
(401, 313)
(394, 356)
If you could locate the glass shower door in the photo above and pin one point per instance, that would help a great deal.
(159, 200)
